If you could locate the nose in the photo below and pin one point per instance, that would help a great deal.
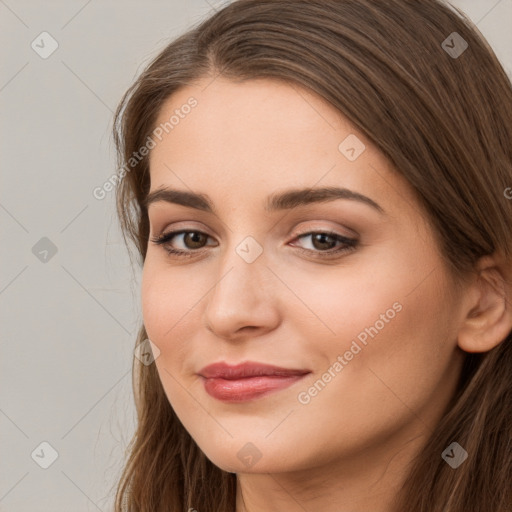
(244, 300)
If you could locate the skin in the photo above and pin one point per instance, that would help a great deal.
(349, 448)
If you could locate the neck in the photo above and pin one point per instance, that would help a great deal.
(369, 480)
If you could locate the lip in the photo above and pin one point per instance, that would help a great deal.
(247, 381)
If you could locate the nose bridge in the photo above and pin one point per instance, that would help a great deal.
(240, 296)
(241, 273)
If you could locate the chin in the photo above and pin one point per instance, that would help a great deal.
(247, 457)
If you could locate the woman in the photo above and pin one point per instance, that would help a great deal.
(318, 193)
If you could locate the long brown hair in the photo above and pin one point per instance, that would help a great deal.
(442, 113)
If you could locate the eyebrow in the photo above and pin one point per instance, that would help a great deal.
(278, 201)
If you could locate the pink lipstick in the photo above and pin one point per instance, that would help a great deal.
(247, 381)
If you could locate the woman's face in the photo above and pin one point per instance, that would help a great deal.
(350, 291)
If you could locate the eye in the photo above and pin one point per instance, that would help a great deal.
(192, 240)
(323, 243)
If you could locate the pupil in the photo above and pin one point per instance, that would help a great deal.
(193, 237)
(321, 237)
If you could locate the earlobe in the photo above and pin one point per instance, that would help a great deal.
(489, 319)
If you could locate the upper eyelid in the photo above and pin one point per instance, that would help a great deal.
(351, 233)
(175, 229)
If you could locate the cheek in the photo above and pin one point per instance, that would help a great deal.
(392, 324)
(336, 304)
(170, 318)
(168, 297)
(394, 349)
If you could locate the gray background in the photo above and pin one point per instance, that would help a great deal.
(69, 319)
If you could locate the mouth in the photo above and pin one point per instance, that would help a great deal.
(247, 381)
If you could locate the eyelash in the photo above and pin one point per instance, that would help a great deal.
(349, 244)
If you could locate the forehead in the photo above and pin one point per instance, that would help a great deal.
(258, 136)
(257, 126)
(258, 118)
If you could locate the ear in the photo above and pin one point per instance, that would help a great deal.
(489, 317)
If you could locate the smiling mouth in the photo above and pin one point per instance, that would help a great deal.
(247, 381)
